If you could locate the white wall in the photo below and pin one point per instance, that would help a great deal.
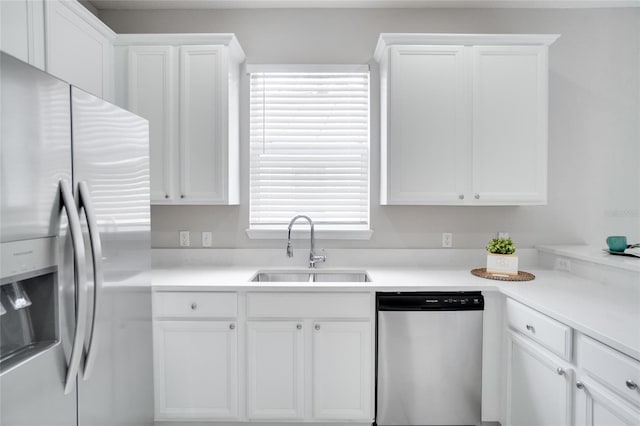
(594, 119)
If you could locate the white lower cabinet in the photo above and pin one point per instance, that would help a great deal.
(275, 370)
(276, 357)
(341, 370)
(196, 369)
(309, 356)
(196, 374)
(539, 385)
(596, 406)
(591, 385)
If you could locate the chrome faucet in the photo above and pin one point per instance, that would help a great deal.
(313, 257)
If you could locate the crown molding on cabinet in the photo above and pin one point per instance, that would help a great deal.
(389, 39)
(78, 9)
(225, 39)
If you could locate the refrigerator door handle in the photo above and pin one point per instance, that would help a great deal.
(84, 202)
(81, 285)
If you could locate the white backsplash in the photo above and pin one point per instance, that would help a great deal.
(336, 258)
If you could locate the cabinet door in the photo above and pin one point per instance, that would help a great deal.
(596, 406)
(342, 370)
(510, 124)
(538, 393)
(195, 369)
(426, 143)
(152, 85)
(203, 124)
(275, 370)
(22, 30)
(76, 51)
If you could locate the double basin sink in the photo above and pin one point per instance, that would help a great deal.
(311, 276)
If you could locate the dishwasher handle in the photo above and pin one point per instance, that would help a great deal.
(430, 301)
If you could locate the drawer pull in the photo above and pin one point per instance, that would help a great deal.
(194, 306)
(631, 385)
(232, 326)
(299, 326)
(579, 385)
(317, 327)
(530, 328)
(560, 371)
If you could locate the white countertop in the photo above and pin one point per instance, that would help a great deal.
(603, 311)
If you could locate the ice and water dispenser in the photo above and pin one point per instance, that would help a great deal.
(28, 300)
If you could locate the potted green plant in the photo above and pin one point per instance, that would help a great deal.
(501, 258)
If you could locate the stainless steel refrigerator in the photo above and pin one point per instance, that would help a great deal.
(75, 320)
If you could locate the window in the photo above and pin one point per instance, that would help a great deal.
(309, 144)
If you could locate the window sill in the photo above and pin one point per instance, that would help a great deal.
(320, 234)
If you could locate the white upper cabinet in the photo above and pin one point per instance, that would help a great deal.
(152, 88)
(463, 119)
(426, 115)
(509, 124)
(22, 30)
(79, 47)
(187, 87)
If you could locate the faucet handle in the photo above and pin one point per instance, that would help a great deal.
(318, 258)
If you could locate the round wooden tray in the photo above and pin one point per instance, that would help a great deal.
(522, 275)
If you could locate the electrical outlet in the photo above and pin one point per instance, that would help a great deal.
(185, 239)
(503, 235)
(563, 264)
(447, 239)
(207, 239)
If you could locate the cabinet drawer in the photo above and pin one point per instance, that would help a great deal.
(309, 305)
(611, 367)
(195, 304)
(550, 333)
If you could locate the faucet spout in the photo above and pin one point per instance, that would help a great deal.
(313, 257)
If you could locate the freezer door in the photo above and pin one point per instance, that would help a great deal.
(111, 177)
(35, 151)
(35, 155)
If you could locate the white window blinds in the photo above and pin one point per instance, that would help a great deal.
(309, 143)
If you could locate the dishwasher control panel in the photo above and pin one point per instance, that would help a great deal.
(430, 301)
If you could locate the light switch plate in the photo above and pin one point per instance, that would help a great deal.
(447, 239)
(185, 239)
(503, 235)
(207, 239)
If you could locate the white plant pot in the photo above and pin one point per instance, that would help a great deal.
(502, 264)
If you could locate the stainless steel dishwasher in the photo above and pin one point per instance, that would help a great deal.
(429, 358)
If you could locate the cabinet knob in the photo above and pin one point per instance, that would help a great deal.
(461, 196)
(181, 195)
(317, 327)
(530, 328)
(579, 385)
(477, 196)
(631, 385)
(560, 371)
(232, 326)
(166, 195)
(299, 326)
(194, 306)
